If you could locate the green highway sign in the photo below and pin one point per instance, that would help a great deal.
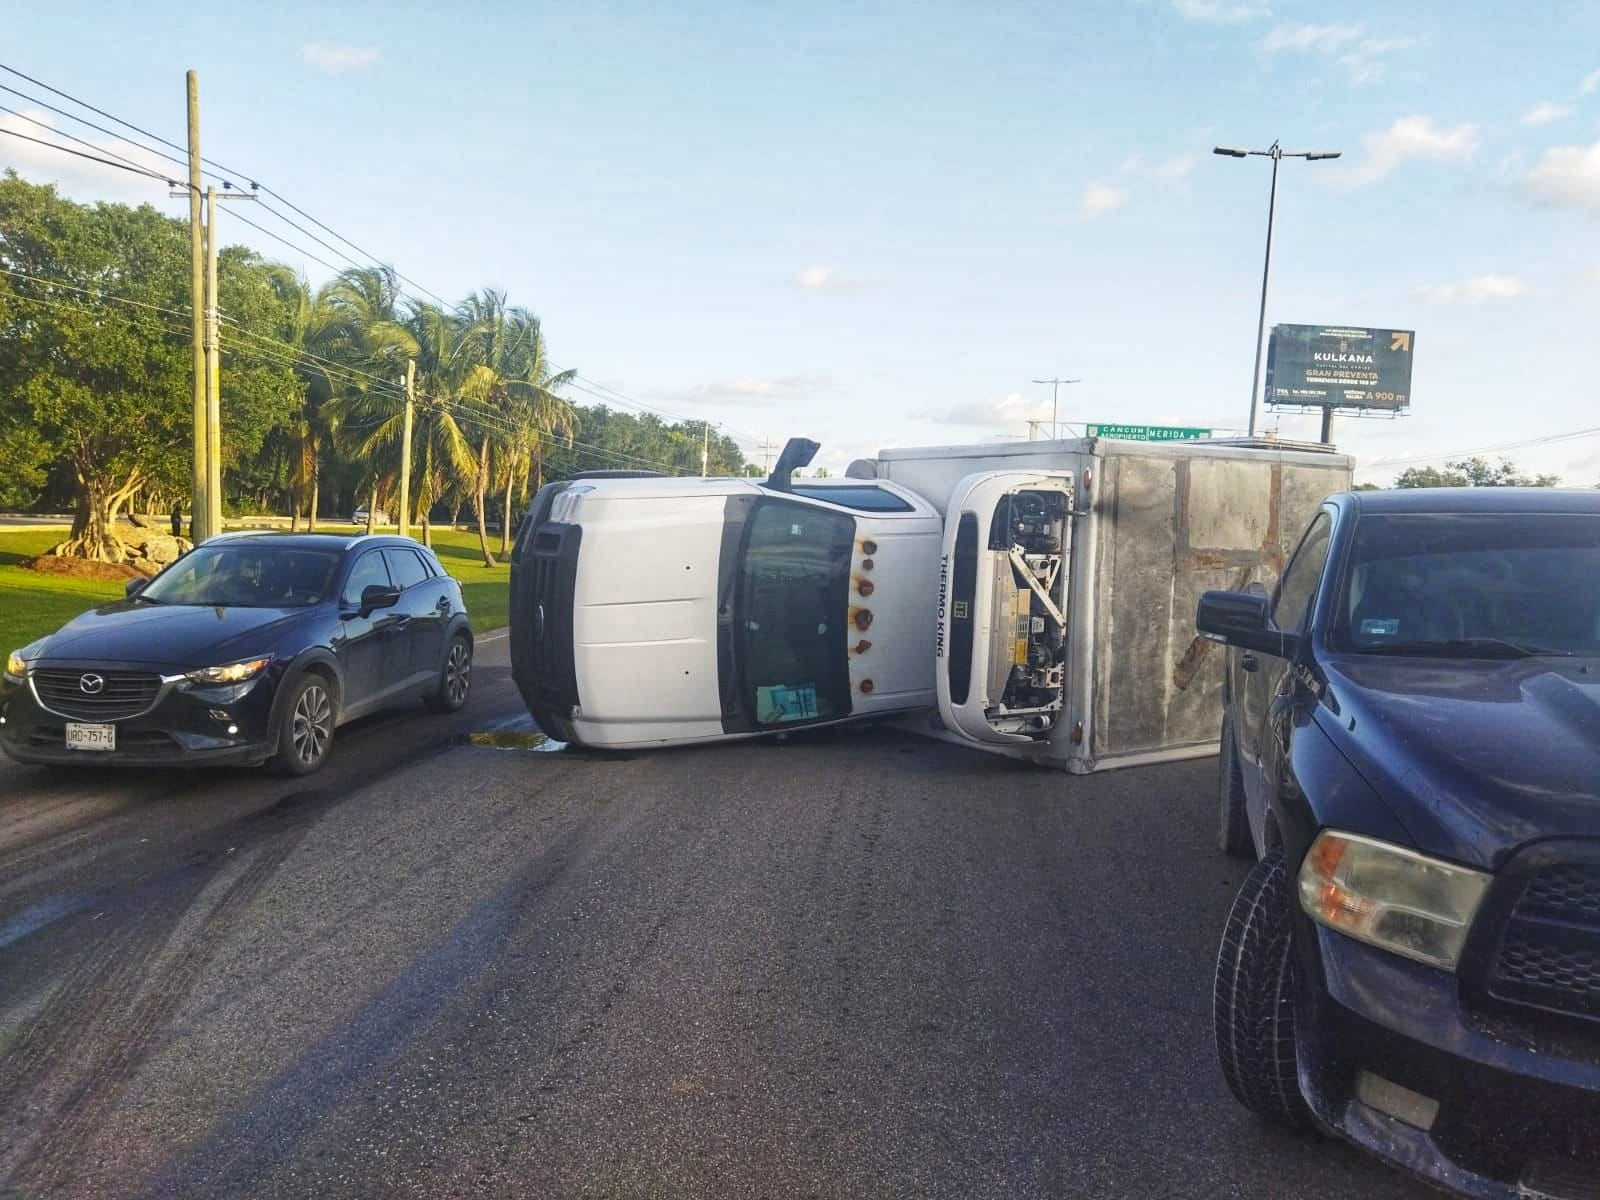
(1148, 433)
(1340, 366)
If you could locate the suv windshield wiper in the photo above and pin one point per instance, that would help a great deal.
(1472, 647)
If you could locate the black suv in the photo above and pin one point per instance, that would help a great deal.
(252, 647)
(1411, 747)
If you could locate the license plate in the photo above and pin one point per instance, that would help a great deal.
(91, 737)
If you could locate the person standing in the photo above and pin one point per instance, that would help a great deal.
(177, 518)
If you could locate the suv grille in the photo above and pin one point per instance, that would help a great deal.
(122, 693)
(1550, 951)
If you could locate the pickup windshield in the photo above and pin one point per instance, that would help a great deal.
(1472, 585)
(791, 614)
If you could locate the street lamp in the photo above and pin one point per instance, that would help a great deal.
(1277, 154)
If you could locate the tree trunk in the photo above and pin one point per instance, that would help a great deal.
(480, 488)
(294, 510)
(372, 509)
(316, 484)
(92, 535)
(427, 530)
(505, 517)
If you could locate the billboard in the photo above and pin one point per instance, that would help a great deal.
(1327, 366)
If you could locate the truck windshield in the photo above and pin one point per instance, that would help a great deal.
(1472, 585)
(792, 612)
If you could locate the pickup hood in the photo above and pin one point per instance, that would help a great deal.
(187, 636)
(1475, 758)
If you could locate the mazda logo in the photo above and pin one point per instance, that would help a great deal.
(91, 685)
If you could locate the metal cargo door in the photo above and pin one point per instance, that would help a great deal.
(1001, 646)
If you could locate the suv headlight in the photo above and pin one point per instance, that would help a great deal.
(232, 673)
(1397, 899)
(17, 661)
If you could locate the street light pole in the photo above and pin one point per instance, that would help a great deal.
(1277, 154)
(1055, 389)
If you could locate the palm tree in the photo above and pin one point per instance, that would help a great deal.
(311, 326)
(511, 391)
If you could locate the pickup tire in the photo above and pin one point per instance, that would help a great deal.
(1233, 821)
(1253, 1002)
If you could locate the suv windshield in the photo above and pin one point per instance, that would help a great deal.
(246, 575)
(1473, 585)
(791, 613)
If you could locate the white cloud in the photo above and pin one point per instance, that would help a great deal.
(751, 391)
(1544, 114)
(1012, 411)
(1221, 12)
(1591, 83)
(1099, 199)
(1594, 273)
(1475, 290)
(1174, 168)
(1408, 138)
(1568, 175)
(1324, 39)
(336, 60)
(1360, 52)
(80, 177)
(828, 279)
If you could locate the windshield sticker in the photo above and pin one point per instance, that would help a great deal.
(782, 703)
(1380, 626)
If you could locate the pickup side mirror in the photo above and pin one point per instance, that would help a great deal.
(134, 586)
(1240, 619)
(375, 596)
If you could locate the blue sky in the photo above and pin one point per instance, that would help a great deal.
(875, 224)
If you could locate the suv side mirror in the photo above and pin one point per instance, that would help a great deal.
(134, 586)
(1240, 619)
(375, 596)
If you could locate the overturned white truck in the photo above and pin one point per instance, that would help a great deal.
(1035, 599)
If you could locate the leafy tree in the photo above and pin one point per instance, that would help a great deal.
(95, 362)
(1473, 472)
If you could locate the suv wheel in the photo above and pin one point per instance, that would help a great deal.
(455, 678)
(305, 731)
(1233, 823)
(1253, 1005)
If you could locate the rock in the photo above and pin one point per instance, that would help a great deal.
(161, 548)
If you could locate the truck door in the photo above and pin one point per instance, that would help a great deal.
(1000, 645)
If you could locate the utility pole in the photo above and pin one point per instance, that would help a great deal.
(766, 454)
(1055, 390)
(405, 449)
(213, 375)
(705, 450)
(1277, 154)
(199, 504)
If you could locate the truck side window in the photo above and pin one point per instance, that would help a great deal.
(1299, 582)
(792, 612)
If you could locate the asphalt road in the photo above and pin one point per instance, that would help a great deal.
(866, 966)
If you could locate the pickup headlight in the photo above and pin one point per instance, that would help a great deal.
(564, 508)
(1397, 899)
(232, 673)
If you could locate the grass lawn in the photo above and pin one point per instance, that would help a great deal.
(32, 605)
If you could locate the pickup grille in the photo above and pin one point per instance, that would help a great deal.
(1549, 953)
(121, 694)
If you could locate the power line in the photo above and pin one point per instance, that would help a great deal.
(61, 112)
(581, 383)
(63, 133)
(102, 294)
(109, 162)
(1548, 439)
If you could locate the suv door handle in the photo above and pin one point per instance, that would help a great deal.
(1249, 662)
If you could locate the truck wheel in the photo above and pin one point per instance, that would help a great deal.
(455, 678)
(305, 730)
(1233, 823)
(1253, 1003)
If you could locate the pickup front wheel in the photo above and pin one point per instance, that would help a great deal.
(1253, 1004)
